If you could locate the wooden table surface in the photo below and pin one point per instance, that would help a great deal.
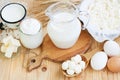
(14, 69)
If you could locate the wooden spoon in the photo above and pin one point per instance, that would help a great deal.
(87, 56)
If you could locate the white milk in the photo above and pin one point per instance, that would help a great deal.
(64, 34)
(13, 13)
(31, 33)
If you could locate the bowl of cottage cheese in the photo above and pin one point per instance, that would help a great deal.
(104, 23)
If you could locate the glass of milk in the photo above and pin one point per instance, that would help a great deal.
(64, 27)
(31, 35)
(12, 14)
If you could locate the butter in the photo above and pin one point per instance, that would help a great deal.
(9, 46)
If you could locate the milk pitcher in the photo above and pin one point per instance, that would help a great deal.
(65, 24)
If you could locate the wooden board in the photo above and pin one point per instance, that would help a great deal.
(58, 54)
(50, 51)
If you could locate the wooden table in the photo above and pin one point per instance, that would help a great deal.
(13, 69)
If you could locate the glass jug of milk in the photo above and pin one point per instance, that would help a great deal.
(64, 26)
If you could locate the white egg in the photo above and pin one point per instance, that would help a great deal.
(70, 71)
(65, 65)
(112, 48)
(99, 60)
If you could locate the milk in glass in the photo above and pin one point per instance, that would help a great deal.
(12, 14)
(31, 33)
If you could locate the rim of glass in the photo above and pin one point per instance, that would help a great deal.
(30, 34)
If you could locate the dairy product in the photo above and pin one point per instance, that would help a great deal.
(9, 46)
(104, 23)
(30, 26)
(77, 59)
(13, 13)
(31, 33)
(104, 13)
(72, 66)
(64, 29)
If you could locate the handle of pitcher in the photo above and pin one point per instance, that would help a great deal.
(84, 17)
(1, 26)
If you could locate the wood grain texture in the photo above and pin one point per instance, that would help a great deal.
(13, 69)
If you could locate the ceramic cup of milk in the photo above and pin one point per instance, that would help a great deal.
(31, 35)
(12, 14)
(64, 27)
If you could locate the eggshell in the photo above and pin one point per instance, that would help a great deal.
(114, 64)
(112, 48)
(99, 60)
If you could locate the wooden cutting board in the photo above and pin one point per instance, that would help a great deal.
(50, 51)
